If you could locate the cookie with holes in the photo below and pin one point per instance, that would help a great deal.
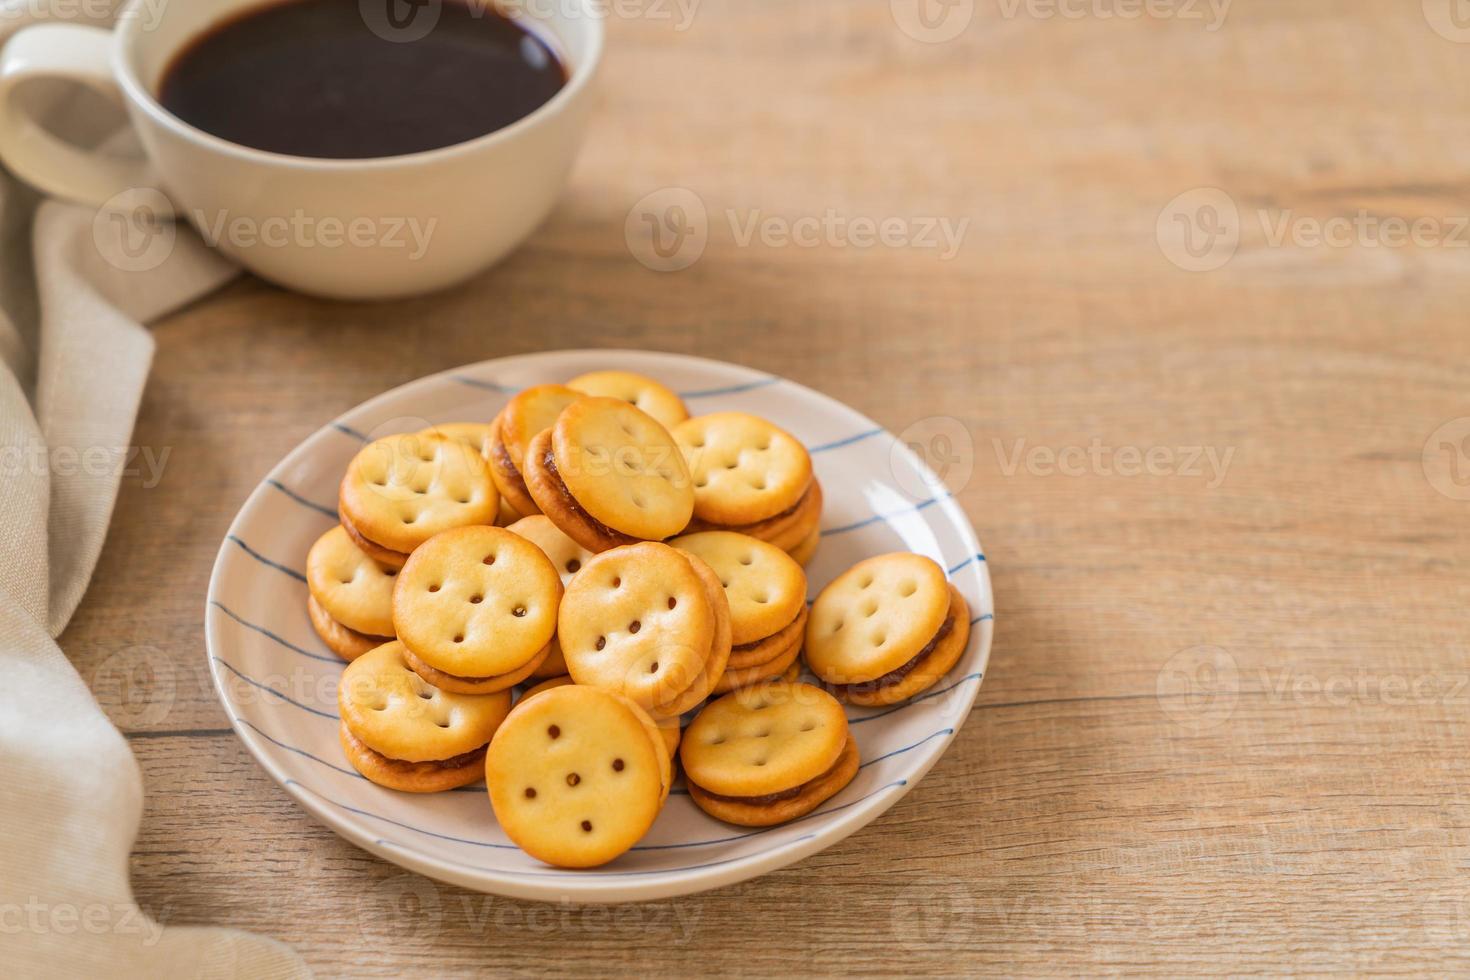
(886, 629)
(403, 733)
(523, 417)
(646, 394)
(768, 754)
(567, 556)
(400, 491)
(668, 729)
(766, 590)
(806, 550)
(648, 622)
(748, 473)
(577, 775)
(476, 609)
(479, 437)
(609, 475)
(350, 596)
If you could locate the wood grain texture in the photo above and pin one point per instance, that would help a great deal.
(1111, 805)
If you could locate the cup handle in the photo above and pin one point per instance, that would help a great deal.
(80, 54)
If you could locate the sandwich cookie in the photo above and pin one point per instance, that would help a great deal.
(807, 549)
(886, 629)
(750, 476)
(405, 734)
(567, 556)
(476, 609)
(609, 475)
(400, 491)
(647, 622)
(350, 598)
(479, 436)
(646, 394)
(668, 729)
(525, 415)
(768, 754)
(766, 590)
(577, 775)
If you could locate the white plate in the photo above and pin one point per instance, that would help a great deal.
(278, 682)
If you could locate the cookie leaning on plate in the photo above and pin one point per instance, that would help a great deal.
(568, 557)
(350, 596)
(402, 490)
(646, 394)
(577, 775)
(405, 734)
(750, 476)
(668, 729)
(768, 754)
(476, 609)
(609, 475)
(886, 629)
(766, 590)
(647, 622)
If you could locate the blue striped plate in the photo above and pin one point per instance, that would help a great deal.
(278, 682)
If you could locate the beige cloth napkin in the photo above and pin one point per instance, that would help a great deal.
(73, 360)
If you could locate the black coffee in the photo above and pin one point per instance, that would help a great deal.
(362, 78)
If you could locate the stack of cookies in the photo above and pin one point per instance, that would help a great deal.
(623, 564)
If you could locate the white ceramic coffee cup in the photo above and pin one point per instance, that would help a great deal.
(352, 229)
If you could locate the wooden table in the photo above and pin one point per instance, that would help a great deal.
(1224, 728)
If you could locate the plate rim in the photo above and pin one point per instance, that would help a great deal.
(558, 885)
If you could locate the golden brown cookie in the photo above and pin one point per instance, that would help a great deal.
(886, 629)
(576, 776)
(807, 549)
(477, 435)
(350, 587)
(476, 608)
(345, 643)
(403, 733)
(609, 475)
(643, 393)
(508, 479)
(745, 469)
(719, 656)
(765, 587)
(787, 530)
(639, 620)
(546, 685)
(402, 490)
(567, 556)
(768, 754)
